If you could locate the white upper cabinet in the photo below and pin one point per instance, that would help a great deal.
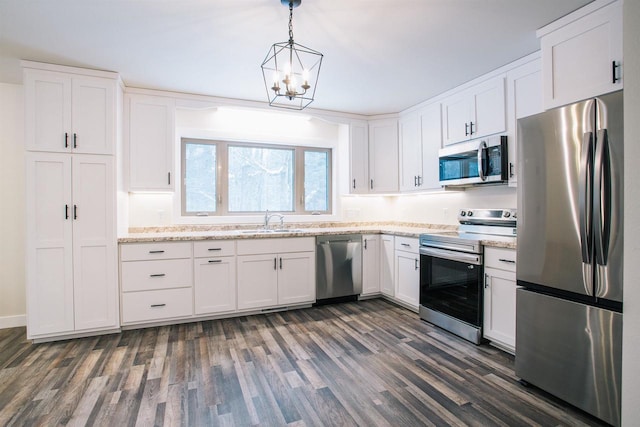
(373, 153)
(149, 135)
(68, 112)
(383, 156)
(524, 98)
(420, 140)
(410, 151)
(359, 157)
(475, 112)
(582, 54)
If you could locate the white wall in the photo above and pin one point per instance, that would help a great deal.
(432, 208)
(631, 309)
(12, 205)
(246, 125)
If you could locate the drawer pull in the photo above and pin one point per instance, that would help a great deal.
(510, 261)
(156, 252)
(405, 245)
(214, 249)
(157, 305)
(211, 261)
(157, 275)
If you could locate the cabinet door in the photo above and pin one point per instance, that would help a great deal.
(578, 58)
(457, 112)
(296, 278)
(48, 111)
(94, 242)
(49, 273)
(387, 265)
(215, 285)
(408, 278)
(383, 156)
(151, 143)
(431, 124)
(488, 109)
(359, 158)
(500, 307)
(410, 152)
(524, 98)
(370, 264)
(93, 115)
(257, 281)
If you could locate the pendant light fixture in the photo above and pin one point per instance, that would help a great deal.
(290, 70)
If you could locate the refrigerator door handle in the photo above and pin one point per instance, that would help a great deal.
(585, 196)
(602, 195)
(482, 155)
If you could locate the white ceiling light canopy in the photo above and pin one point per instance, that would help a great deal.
(290, 70)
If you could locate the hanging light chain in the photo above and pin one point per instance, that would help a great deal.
(290, 22)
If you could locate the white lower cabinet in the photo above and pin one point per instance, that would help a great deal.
(499, 322)
(214, 284)
(275, 272)
(156, 281)
(387, 265)
(407, 271)
(71, 245)
(156, 305)
(370, 264)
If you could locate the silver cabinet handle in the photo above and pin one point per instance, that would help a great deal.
(510, 261)
(372, 184)
(157, 275)
(214, 249)
(417, 266)
(211, 261)
(156, 252)
(365, 243)
(157, 305)
(405, 245)
(486, 281)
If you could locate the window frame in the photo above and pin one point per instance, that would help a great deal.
(222, 177)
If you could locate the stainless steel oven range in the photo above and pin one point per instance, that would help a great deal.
(452, 273)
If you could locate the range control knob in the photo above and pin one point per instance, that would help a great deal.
(506, 214)
(470, 213)
(463, 213)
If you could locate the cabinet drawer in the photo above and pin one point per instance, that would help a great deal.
(213, 248)
(276, 245)
(156, 305)
(409, 244)
(500, 258)
(161, 274)
(156, 250)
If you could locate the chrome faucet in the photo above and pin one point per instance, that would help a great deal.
(268, 216)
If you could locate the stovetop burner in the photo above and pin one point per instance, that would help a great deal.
(476, 225)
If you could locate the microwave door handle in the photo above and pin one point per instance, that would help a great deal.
(482, 153)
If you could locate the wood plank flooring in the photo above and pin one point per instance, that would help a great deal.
(368, 363)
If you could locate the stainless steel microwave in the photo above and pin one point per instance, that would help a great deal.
(482, 161)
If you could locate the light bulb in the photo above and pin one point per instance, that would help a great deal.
(305, 76)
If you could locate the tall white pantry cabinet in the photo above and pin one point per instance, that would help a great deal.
(71, 266)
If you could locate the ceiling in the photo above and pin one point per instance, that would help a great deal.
(379, 56)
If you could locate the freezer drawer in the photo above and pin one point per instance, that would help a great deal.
(571, 350)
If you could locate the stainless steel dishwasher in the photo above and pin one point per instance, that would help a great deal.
(338, 267)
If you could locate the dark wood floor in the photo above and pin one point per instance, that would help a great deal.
(368, 363)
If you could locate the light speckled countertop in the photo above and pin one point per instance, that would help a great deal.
(198, 232)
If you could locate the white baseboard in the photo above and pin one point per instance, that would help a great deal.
(13, 321)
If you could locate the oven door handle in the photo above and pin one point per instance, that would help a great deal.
(452, 256)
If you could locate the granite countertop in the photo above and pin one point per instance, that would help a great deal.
(236, 232)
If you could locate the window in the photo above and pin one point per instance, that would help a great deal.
(225, 178)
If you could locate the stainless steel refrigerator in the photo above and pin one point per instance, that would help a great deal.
(570, 254)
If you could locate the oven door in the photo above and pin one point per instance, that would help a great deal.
(451, 283)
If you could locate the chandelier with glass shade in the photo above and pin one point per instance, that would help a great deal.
(290, 70)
